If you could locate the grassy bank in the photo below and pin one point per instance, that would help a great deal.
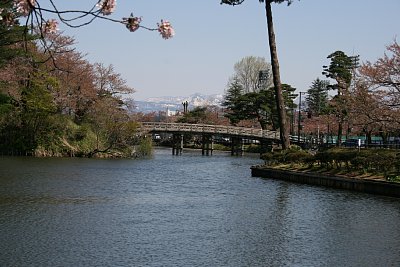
(378, 164)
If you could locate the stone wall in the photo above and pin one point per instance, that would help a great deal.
(360, 185)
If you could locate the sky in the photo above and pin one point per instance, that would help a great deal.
(210, 38)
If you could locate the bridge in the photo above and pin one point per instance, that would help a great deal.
(236, 135)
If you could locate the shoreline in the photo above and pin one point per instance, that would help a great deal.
(376, 187)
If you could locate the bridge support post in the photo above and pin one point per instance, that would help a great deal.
(207, 145)
(237, 146)
(177, 144)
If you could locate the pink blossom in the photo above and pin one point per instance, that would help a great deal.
(24, 7)
(107, 6)
(132, 23)
(165, 29)
(50, 26)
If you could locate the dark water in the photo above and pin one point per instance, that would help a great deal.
(184, 211)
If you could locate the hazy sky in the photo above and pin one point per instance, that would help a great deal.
(210, 38)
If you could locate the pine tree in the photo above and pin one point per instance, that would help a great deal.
(341, 69)
(317, 97)
(280, 103)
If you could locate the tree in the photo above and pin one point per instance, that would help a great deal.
(247, 73)
(256, 105)
(195, 116)
(376, 96)
(283, 123)
(72, 108)
(107, 122)
(108, 82)
(11, 45)
(383, 76)
(369, 113)
(317, 97)
(74, 73)
(232, 99)
(341, 69)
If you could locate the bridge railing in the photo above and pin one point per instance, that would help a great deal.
(211, 129)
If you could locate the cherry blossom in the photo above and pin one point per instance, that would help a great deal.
(107, 6)
(73, 18)
(132, 23)
(50, 26)
(165, 29)
(24, 7)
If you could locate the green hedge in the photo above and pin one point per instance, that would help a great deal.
(290, 156)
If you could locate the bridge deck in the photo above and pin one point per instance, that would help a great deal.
(230, 131)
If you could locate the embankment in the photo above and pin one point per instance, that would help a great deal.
(355, 184)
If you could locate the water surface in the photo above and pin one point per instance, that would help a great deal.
(185, 210)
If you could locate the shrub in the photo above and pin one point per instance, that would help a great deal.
(268, 158)
(297, 156)
(360, 163)
(144, 149)
(287, 157)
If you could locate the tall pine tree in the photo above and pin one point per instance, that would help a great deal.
(280, 103)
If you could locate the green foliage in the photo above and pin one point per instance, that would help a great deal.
(31, 125)
(335, 157)
(145, 148)
(376, 161)
(5, 107)
(232, 101)
(221, 147)
(340, 69)
(256, 105)
(382, 162)
(37, 98)
(195, 116)
(293, 155)
(252, 148)
(12, 38)
(317, 97)
(47, 111)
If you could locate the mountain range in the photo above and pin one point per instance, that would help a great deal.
(174, 103)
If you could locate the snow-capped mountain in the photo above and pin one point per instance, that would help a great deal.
(174, 103)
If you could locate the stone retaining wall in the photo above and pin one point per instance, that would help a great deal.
(360, 185)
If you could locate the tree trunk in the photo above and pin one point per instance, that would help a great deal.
(340, 132)
(369, 138)
(280, 104)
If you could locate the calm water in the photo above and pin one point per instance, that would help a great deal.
(184, 211)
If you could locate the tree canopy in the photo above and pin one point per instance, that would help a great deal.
(317, 97)
(247, 73)
(75, 108)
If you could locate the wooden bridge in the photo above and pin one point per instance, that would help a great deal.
(237, 135)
